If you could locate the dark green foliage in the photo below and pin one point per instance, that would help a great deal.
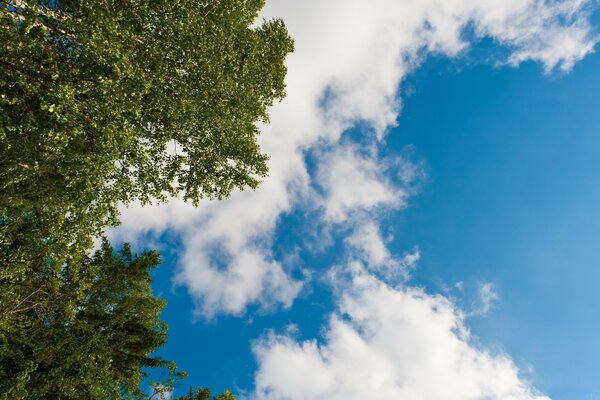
(91, 338)
(204, 394)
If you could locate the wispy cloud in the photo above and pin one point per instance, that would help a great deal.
(488, 297)
(366, 244)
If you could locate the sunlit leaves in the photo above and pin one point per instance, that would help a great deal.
(109, 101)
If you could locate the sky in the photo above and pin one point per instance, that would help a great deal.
(429, 226)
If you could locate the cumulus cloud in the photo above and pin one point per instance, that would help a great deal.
(351, 57)
(387, 342)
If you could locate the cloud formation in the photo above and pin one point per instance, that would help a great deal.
(386, 339)
(351, 57)
(386, 342)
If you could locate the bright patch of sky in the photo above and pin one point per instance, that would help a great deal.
(428, 227)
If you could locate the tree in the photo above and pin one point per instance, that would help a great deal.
(91, 339)
(204, 394)
(103, 103)
(110, 101)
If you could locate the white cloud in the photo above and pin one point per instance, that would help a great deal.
(368, 241)
(385, 342)
(354, 182)
(555, 33)
(350, 58)
(370, 247)
(248, 278)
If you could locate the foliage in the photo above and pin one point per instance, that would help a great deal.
(104, 103)
(115, 100)
(84, 332)
(204, 394)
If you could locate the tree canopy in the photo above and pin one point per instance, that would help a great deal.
(102, 103)
(109, 101)
(91, 338)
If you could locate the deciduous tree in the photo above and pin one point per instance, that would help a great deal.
(109, 101)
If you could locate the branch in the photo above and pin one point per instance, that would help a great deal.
(44, 14)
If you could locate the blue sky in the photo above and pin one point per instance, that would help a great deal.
(512, 198)
(433, 173)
